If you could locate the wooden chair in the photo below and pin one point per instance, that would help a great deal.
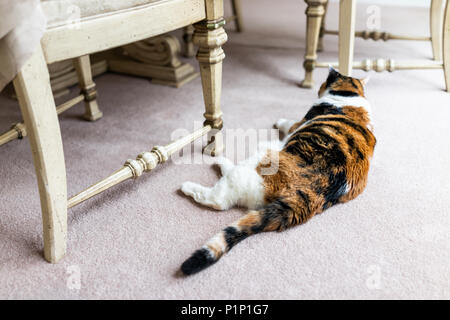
(316, 11)
(113, 26)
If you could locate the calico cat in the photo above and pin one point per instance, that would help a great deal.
(323, 160)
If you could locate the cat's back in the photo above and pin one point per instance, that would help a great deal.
(326, 159)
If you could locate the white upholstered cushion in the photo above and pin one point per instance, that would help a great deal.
(59, 12)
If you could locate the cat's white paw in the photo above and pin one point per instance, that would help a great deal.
(188, 188)
(193, 190)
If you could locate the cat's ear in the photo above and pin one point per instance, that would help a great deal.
(332, 71)
(365, 80)
(332, 75)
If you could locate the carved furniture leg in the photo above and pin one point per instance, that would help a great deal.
(35, 97)
(347, 13)
(188, 49)
(314, 14)
(322, 28)
(436, 27)
(156, 58)
(209, 35)
(446, 46)
(237, 14)
(87, 85)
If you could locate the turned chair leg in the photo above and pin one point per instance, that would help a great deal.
(436, 27)
(322, 28)
(446, 46)
(36, 101)
(314, 14)
(188, 49)
(87, 85)
(237, 13)
(347, 13)
(209, 35)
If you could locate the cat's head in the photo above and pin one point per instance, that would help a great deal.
(339, 84)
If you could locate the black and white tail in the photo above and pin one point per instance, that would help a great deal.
(271, 217)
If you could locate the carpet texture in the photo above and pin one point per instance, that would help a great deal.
(128, 243)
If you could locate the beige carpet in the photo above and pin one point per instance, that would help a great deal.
(391, 242)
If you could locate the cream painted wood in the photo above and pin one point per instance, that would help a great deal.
(314, 15)
(346, 40)
(188, 49)
(436, 27)
(117, 29)
(209, 35)
(61, 81)
(35, 97)
(145, 162)
(347, 16)
(380, 35)
(446, 46)
(380, 65)
(19, 130)
(322, 28)
(156, 58)
(87, 86)
(237, 15)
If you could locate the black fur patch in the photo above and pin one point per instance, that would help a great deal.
(304, 197)
(333, 75)
(351, 144)
(297, 149)
(277, 210)
(343, 93)
(200, 259)
(336, 188)
(323, 144)
(233, 236)
(322, 109)
(363, 131)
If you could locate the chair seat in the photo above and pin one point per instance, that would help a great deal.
(60, 12)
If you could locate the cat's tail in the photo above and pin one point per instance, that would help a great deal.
(271, 217)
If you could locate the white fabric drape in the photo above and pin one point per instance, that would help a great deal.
(22, 24)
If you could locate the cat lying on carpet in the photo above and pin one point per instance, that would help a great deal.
(323, 160)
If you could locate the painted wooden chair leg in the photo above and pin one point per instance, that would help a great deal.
(314, 14)
(322, 28)
(87, 85)
(209, 35)
(188, 49)
(446, 46)
(347, 13)
(237, 13)
(436, 27)
(36, 101)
